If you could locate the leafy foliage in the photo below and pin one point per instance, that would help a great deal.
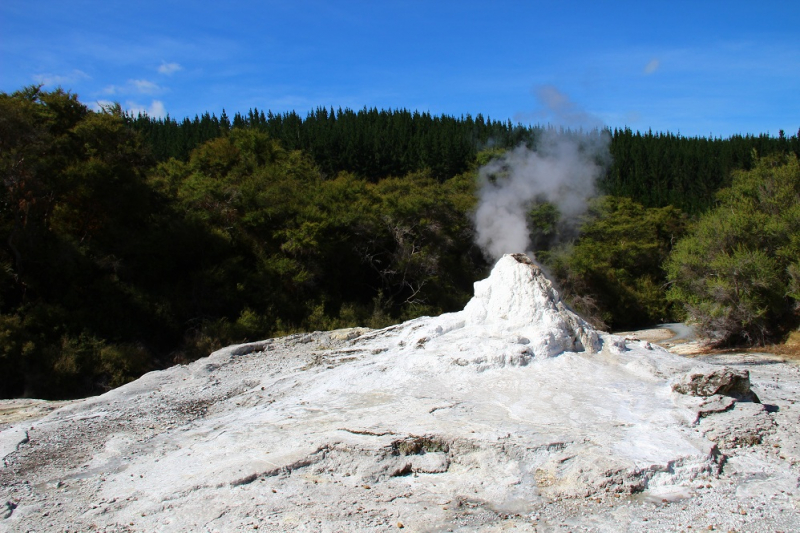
(736, 272)
(131, 243)
(612, 273)
(72, 199)
(113, 266)
(654, 169)
(370, 143)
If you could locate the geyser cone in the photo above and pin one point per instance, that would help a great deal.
(518, 298)
(515, 316)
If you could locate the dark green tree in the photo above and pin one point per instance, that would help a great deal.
(613, 272)
(736, 272)
(74, 214)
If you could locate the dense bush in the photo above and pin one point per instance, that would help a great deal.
(74, 224)
(612, 273)
(113, 265)
(117, 259)
(736, 273)
(656, 169)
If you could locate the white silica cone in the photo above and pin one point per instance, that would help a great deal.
(513, 296)
(516, 314)
(518, 298)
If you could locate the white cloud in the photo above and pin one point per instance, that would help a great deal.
(651, 67)
(133, 86)
(144, 86)
(51, 80)
(156, 108)
(169, 68)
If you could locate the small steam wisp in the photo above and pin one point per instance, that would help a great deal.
(562, 169)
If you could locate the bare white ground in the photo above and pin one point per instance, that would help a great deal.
(511, 414)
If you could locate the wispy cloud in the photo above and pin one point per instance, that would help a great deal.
(51, 80)
(145, 86)
(651, 66)
(155, 109)
(169, 68)
(134, 86)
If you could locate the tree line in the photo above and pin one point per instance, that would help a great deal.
(132, 243)
(657, 169)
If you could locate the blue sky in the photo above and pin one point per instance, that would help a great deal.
(695, 68)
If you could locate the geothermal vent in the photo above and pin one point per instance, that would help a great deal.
(517, 315)
(517, 297)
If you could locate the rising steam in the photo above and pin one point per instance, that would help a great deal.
(562, 169)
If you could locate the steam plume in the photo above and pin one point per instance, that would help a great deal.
(561, 169)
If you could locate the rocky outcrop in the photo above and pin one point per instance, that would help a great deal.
(722, 381)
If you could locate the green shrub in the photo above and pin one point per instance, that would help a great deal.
(612, 274)
(736, 272)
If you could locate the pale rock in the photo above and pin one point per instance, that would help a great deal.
(745, 424)
(723, 381)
